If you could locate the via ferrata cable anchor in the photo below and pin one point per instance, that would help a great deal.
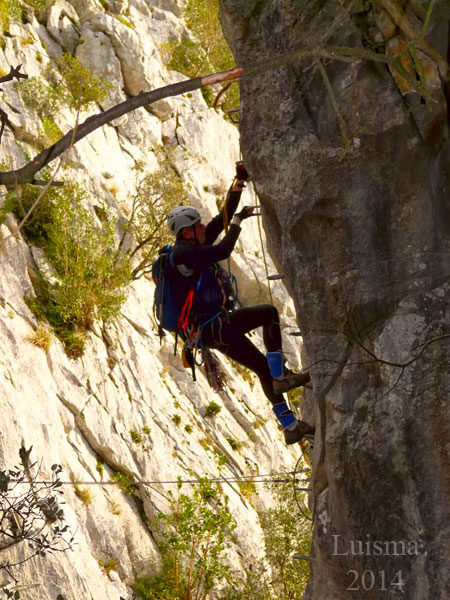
(252, 210)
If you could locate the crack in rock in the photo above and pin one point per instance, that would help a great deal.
(105, 453)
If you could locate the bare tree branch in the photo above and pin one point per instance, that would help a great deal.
(220, 94)
(26, 174)
(334, 102)
(52, 178)
(341, 53)
(4, 121)
(14, 73)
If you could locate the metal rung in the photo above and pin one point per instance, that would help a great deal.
(278, 276)
(296, 333)
(299, 557)
(303, 490)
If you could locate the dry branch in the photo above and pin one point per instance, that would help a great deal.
(4, 121)
(417, 9)
(14, 73)
(334, 102)
(341, 53)
(26, 174)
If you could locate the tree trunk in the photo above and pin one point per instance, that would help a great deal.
(352, 166)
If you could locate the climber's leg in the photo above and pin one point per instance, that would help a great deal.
(223, 337)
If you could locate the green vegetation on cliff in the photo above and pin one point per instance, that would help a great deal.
(90, 260)
(85, 279)
(193, 538)
(72, 84)
(12, 10)
(207, 51)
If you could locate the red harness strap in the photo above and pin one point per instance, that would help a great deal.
(183, 319)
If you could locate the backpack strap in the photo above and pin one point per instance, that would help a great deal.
(159, 308)
(183, 320)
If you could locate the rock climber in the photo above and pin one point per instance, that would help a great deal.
(195, 255)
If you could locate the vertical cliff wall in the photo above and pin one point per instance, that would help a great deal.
(351, 163)
(127, 406)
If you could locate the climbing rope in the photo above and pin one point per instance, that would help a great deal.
(258, 218)
(226, 224)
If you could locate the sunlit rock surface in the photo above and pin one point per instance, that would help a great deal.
(80, 412)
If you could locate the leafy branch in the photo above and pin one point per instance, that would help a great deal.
(156, 194)
(32, 516)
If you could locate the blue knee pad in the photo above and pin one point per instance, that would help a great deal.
(284, 414)
(276, 363)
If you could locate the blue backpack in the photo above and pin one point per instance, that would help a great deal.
(166, 307)
(172, 305)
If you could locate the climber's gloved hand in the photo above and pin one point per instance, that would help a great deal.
(241, 171)
(246, 212)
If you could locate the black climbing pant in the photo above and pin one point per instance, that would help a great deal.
(227, 335)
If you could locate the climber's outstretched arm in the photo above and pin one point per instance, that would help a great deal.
(219, 223)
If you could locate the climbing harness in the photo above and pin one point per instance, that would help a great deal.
(193, 345)
(175, 317)
(192, 330)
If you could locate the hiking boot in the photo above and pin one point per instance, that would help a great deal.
(289, 381)
(301, 430)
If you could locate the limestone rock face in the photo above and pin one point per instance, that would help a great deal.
(127, 406)
(351, 163)
(62, 22)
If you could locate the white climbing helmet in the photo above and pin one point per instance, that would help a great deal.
(182, 216)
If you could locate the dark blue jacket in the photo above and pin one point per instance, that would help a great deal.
(196, 262)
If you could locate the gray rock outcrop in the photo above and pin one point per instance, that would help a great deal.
(351, 163)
